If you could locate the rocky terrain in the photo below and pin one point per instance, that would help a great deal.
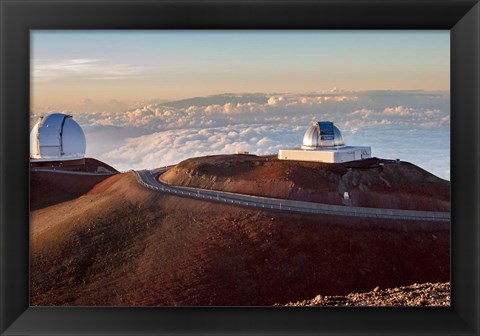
(427, 294)
(121, 244)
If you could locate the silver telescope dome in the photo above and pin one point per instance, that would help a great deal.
(322, 134)
(57, 137)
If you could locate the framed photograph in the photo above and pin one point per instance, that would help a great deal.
(239, 168)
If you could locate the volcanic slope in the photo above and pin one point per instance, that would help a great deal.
(124, 244)
(49, 188)
(370, 183)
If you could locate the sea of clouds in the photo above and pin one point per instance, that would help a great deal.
(413, 126)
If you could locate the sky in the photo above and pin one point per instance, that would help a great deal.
(146, 99)
(73, 66)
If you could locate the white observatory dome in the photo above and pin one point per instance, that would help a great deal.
(322, 134)
(57, 137)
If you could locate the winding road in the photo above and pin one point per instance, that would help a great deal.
(71, 172)
(149, 179)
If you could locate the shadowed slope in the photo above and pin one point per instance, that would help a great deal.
(47, 188)
(123, 244)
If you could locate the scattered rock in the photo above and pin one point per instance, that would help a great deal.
(427, 294)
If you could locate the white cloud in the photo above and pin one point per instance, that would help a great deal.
(173, 146)
(50, 69)
(346, 110)
(422, 146)
(395, 124)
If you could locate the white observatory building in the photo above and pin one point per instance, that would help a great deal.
(57, 137)
(323, 142)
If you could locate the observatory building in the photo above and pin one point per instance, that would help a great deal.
(57, 138)
(323, 142)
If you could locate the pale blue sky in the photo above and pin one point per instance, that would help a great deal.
(139, 65)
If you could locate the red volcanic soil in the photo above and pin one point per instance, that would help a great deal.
(124, 244)
(370, 183)
(47, 188)
(94, 165)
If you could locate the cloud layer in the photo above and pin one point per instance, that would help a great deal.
(173, 146)
(344, 108)
(426, 147)
(410, 125)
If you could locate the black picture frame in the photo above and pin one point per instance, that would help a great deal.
(18, 17)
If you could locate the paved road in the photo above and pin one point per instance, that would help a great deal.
(71, 172)
(148, 178)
